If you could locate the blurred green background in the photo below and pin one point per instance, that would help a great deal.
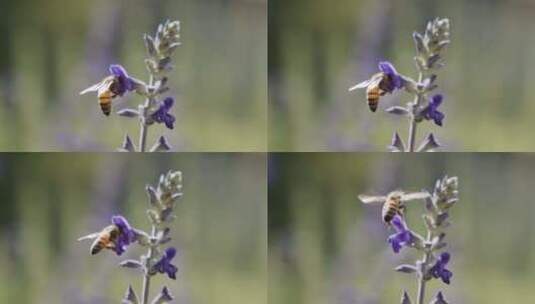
(319, 48)
(49, 200)
(51, 50)
(326, 247)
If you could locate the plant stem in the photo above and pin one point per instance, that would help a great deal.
(146, 277)
(143, 119)
(413, 124)
(423, 270)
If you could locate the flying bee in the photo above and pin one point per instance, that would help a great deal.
(378, 85)
(105, 239)
(393, 203)
(105, 92)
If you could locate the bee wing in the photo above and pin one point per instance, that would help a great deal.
(93, 88)
(415, 196)
(361, 85)
(89, 237)
(106, 82)
(370, 199)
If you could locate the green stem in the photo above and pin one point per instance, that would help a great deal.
(423, 270)
(413, 124)
(143, 119)
(147, 276)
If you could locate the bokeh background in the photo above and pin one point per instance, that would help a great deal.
(326, 247)
(318, 49)
(50, 50)
(50, 200)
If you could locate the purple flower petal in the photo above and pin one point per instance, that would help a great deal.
(124, 82)
(389, 70)
(161, 115)
(439, 269)
(126, 234)
(430, 112)
(164, 264)
(402, 237)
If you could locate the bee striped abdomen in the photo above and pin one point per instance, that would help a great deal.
(98, 246)
(106, 239)
(104, 100)
(391, 209)
(373, 94)
(105, 104)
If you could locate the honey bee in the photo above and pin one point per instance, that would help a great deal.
(376, 87)
(105, 92)
(104, 239)
(393, 203)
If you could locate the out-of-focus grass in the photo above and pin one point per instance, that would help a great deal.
(53, 49)
(326, 247)
(317, 51)
(49, 200)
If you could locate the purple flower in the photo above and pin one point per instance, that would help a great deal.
(431, 112)
(395, 81)
(126, 235)
(164, 264)
(402, 237)
(123, 83)
(439, 269)
(161, 115)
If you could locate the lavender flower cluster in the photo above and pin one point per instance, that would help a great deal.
(120, 235)
(435, 260)
(429, 58)
(154, 110)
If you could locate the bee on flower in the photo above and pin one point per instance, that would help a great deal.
(114, 85)
(386, 81)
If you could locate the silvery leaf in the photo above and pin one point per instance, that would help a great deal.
(153, 198)
(397, 110)
(405, 298)
(165, 64)
(410, 85)
(439, 299)
(163, 297)
(419, 43)
(429, 144)
(130, 296)
(128, 146)
(439, 246)
(428, 83)
(420, 63)
(153, 217)
(406, 268)
(140, 87)
(130, 113)
(164, 215)
(131, 264)
(429, 204)
(429, 223)
(163, 236)
(152, 66)
(397, 144)
(432, 61)
(161, 145)
(142, 237)
(418, 241)
(172, 47)
(149, 45)
(441, 218)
